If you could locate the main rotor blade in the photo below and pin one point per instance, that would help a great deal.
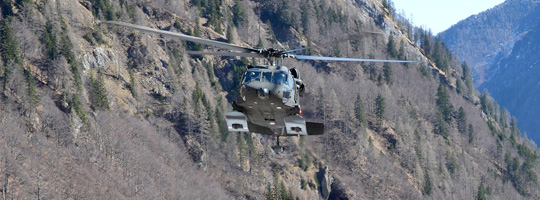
(184, 37)
(299, 49)
(303, 57)
(225, 53)
(340, 40)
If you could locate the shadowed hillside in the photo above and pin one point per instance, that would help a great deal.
(500, 46)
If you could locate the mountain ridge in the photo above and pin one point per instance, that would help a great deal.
(488, 31)
(501, 72)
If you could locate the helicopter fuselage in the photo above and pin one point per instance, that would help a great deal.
(269, 100)
(267, 94)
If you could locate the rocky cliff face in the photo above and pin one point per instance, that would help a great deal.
(95, 111)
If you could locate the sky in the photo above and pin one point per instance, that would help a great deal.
(439, 15)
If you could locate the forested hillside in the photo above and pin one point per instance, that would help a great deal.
(477, 39)
(500, 46)
(514, 82)
(91, 110)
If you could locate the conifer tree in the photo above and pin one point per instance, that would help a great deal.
(65, 46)
(503, 121)
(211, 73)
(444, 111)
(424, 71)
(98, 92)
(401, 52)
(270, 193)
(359, 110)
(380, 108)
(387, 71)
(471, 134)
(9, 50)
(76, 106)
(230, 38)
(305, 17)
(486, 103)
(309, 49)
(440, 55)
(213, 13)
(260, 43)
(283, 191)
(177, 25)
(104, 7)
(337, 49)
(444, 106)
(513, 127)
(238, 13)
(427, 189)
(271, 33)
(440, 126)
(222, 125)
(481, 192)
(451, 164)
(197, 33)
(9, 46)
(241, 142)
(305, 161)
(391, 46)
(459, 86)
(49, 41)
(132, 83)
(467, 78)
(32, 93)
(462, 120)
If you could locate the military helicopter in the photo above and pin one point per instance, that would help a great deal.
(269, 98)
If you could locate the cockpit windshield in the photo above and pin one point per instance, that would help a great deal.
(280, 77)
(276, 77)
(252, 76)
(267, 76)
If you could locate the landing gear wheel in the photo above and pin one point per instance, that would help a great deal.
(278, 148)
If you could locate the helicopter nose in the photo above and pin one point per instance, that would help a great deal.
(263, 93)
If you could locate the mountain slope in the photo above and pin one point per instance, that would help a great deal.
(506, 62)
(90, 110)
(515, 82)
(478, 38)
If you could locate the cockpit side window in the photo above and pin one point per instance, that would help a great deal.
(252, 76)
(291, 81)
(267, 76)
(280, 77)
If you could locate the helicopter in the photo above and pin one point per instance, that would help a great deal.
(269, 95)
